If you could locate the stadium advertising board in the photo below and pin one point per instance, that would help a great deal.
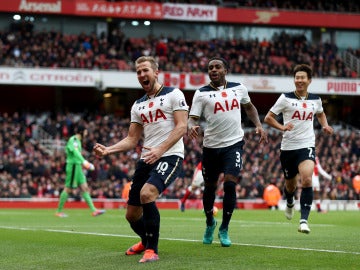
(184, 12)
(136, 10)
(288, 18)
(189, 12)
(32, 6)
(48, 77)
(186, 81)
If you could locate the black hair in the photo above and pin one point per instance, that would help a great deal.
(225, 63)
(303, 67)
(80, 129)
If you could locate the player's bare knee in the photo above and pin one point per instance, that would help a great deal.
(306, 182)
(147, 196)
(133, 213)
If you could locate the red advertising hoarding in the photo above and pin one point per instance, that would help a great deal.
(183, 12)
(289, 18)
(138, 10)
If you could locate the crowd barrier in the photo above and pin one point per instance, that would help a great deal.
(329, 205)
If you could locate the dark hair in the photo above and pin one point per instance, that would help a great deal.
(225, 63)
(303, 67)
(80, 129)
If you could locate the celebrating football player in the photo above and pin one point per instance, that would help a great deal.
(297, 155)
(161, 115)
(220, 104)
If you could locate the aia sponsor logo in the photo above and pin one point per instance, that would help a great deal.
(302, 116)
(151, 117)
(226, 105)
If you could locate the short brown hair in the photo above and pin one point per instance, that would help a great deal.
(153, 63)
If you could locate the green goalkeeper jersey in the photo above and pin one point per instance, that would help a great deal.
(73, 151)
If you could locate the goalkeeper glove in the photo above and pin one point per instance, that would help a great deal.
(89, 166)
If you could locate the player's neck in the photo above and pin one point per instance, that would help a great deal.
(218, 85)
(157, 88)
(301, 94)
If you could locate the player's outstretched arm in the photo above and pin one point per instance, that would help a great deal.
(129, 142)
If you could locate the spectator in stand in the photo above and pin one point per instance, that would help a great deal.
(161, 116)
(298, 109)
(219, 104)
(87, 51)
(340, 157)
(75, 162)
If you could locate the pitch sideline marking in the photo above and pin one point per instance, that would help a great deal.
(183, 240)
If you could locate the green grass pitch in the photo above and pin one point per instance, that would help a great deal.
(262, 239)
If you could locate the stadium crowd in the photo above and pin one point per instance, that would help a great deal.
(29, 169)
(25, 47)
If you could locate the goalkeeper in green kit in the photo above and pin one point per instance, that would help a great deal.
(75, 177)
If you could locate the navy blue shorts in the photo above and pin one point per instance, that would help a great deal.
(227, 160)
(160, 174)
(290, 160)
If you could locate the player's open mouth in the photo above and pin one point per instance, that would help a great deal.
(146, 82)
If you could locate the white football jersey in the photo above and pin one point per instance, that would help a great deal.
(156, 115)
(222, 113)
(301, 113)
